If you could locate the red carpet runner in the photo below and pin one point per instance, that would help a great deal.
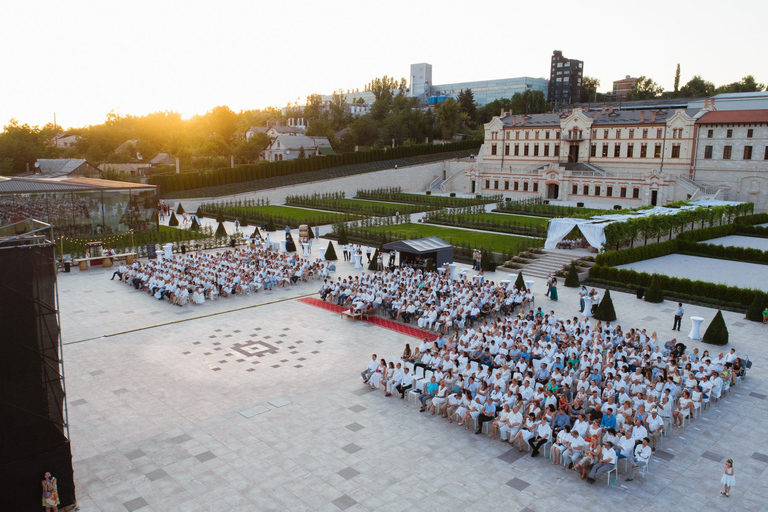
(381, 322)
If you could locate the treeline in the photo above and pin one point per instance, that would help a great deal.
(227, 175)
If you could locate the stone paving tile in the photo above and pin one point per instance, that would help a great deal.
(363, 391)
(518, 484)
(760, 456)
(348, 473)
(279, 402)
(344, 502)
(157, 475)
(135, 454)
(351, 448)
(511, 455)
(205, 456)
(357, 408)
(661, 454)
(75, 403)
(712, 456)
(135, 504)
(355, 427)
(758, 395)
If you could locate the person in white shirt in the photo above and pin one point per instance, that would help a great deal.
(372, 365)
(511, 426)
(405, 384)
(397, 378)
(543, 436)
(606, 463)
(576, 445)
(642, 456)
(656, 427)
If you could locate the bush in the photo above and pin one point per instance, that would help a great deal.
(243, 222)
(195, 225)
(343, 239)
(717, 332)
(220, 216)
(572, 279)
(173, 222)
(200, 213)
(220, 231)
(654, 294)
(180, 209)
(374, 258)
(755, 311)
(605, 311)
(330, 253)
(520, 282)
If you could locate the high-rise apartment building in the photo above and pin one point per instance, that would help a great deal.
(564, 80)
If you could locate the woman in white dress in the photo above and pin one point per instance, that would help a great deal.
(525, 433)
(439, 399)
(388, 374)
(378, 375)
(198, 297)
(684, 409)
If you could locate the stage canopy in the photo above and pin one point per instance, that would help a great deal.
(410, 250)
(593, 228)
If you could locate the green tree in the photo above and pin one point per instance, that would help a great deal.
(697, 87)
(364, 131)
(520, 281)
(382, 91)
(589, 87)
(677, 79)
(330, 253)
(644, 89)
(530, 102)
(654, 293)
(314, 106)
(467, 106)
(222, 121)
(717, 331)
(492, 109)
(572, 279)
(605, 310)
(747, 84)
(449, 117)
(249, 150)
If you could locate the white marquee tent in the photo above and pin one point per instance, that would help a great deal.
(593, 229)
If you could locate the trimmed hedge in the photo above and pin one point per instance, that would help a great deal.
(655, 294)
(725, 253)
(572, 279)
(173, 221)
(719, 292)
(755, 311)
(228, 175)
(330, 253)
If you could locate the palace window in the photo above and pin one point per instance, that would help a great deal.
(657, 151)
(635, 193)
(493, 149)
(630, 150)
(605, 150)
(616, 150)
(747, 152)
(727, 152)
(676, 151)
(707, 152)
(643, 150)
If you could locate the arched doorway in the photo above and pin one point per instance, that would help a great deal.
(553, 191)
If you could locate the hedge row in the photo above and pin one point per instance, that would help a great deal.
(713, 291)
(757, 218)
(644, 252)
(744, 254)
(224, 176)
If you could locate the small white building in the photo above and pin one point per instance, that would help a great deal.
(288, 146)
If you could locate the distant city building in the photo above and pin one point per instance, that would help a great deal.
(564, 80)
(622, 87)
(421, 87)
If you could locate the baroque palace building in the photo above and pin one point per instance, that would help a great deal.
(629, 157)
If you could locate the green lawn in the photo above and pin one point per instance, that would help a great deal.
(503, 218)
(283, 215)
(361, 207)
(491, 241)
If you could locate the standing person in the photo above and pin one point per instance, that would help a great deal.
(51, 493)
(728, 480)
(582, 297)
(237, 225)
(678, 316)
(553, 290)
(549, 284)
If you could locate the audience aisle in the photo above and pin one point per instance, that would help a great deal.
(263, 409)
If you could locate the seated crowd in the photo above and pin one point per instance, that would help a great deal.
(588, 391)
(196, 277)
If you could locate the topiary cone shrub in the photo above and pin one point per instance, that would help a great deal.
(173, 221)
(605, 311)
(220, 231)
(195, 226)
(755, 311)
(717, 332)
(374, 259)
(219, 216)
(572, 279)
(271, 225)
(343, 240)
(243, 222)
(520, 282)
(200, 211)
(330, 253)
(654, 293)
(180, 209)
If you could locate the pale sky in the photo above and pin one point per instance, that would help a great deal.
(81, 59)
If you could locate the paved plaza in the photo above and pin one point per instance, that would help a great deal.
(256, 403)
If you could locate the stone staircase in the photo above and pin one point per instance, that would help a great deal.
(545, 263)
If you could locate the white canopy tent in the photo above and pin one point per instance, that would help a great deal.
(593, 229)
